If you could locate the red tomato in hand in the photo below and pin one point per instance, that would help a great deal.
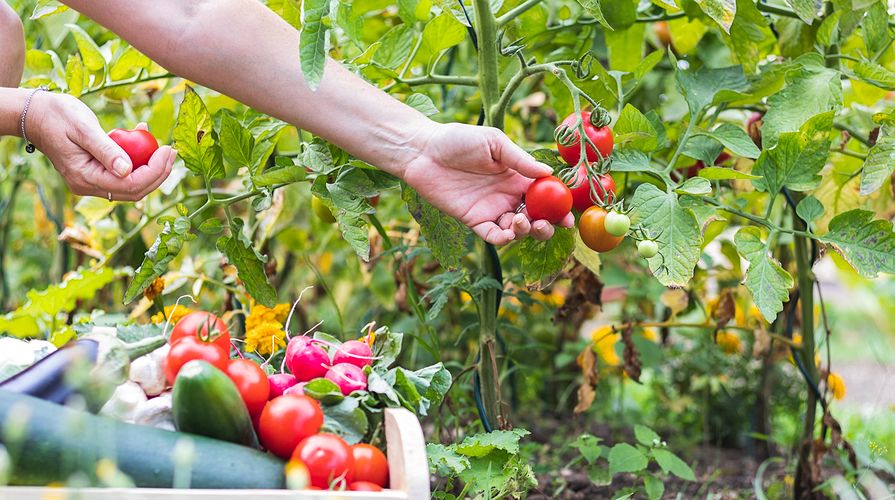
(601, 137)
(286, 421)
(591, 227)
(252, 383)
(548, 198)
(364, 486)
(370, 464)
(328, 458)
(581, 198)
(138, 144)
(190, 348)
(204, 326)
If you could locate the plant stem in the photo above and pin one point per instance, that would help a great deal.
(853, 133)
(489, 71)
(691, 125)
(853, 154)
(503, 102)
(754, 218)
(129, 82)
(434, 79)
(516, 12)
(806, 297)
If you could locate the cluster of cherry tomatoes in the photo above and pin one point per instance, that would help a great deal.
(287, 421)
(551, 199)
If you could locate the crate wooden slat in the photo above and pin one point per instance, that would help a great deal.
(408, 474)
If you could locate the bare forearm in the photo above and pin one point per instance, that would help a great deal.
(244, 50)
(12, 47)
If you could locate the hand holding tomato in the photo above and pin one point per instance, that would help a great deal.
(90, 162)
(479, 176)
(138, 143)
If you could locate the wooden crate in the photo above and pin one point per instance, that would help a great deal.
(408, 474)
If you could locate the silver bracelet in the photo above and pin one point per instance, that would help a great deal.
(28, 146)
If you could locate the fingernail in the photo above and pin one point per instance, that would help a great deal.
(121, 167)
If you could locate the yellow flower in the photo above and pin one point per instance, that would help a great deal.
(174, 312)
(265, 338)
(650, 334)
(261, 314)
(836, 385)
(729, 342)
(154, 289)
(604, 340)
(465, 297)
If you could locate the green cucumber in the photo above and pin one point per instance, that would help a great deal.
(207, 402)
(50, 443)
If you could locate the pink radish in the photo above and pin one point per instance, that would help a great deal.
(297, 389)
(348, 377)
(306, 360)
(279, 383)
(355, 353)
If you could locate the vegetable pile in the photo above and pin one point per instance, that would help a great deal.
(316, 418)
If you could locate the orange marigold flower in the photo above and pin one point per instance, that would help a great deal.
(836, 385)
(729, 342)
(265, 338)
(154, 289)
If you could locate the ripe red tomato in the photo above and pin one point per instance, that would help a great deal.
(364, 486)
(286, 421)
(138, 144)
(252, 383)
(190, 348)
(593, 231)
(601, 137)
(196, 324)
(370, 464)
(548, 198)
(328, 458)
(581, 199)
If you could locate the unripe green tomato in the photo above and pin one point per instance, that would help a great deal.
(322, 211)
(647, 249)
(617, 224)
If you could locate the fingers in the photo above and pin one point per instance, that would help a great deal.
(95, 141)
(541, 230)
(510, 155)
(139, 183)
(492, 233)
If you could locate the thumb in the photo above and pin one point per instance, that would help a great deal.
(106, 151)
(510, 155)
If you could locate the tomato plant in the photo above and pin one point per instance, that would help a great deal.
(616, 224)
(601, 137)
(138, 144)
(592, 228)
(548, 198)
(582, 197)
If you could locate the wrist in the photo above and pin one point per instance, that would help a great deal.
(405, 142)
(12, 102)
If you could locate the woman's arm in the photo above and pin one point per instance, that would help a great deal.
(244, 50)
(12, 47)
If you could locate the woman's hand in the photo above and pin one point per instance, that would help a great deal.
(92, 164)
(479, 176)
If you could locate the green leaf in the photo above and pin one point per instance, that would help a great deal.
(347, 419)
(811, 89)
(766, 280)
(875, 27)
(722, 11)
(622, 43)
(46, 8)
(874, 74)
(155, 262)
(880, 162)
(828, 31)
(130, 62)
(407, 11)
(542, 260)
(75, 76)
(312, 42)
(387, 346)
(695, 186)
(249, 264)
(805, 9)
(809, 209)
(445, 236)
(686, 33)
(194, 138)
(621, 15)
(654, 487)
(867, 244)
(324, 390)
(444, 460)
(751, 38)
(589, 447)
(395, 48)
(646, 436)
(699, 87)
(90, 53)
(797, 158)
(724, 173)
(631, 160)
(422, 103)
(626, 458)
(595, 10)
(586, 256)
(211, 226)
(669, 462)
(674, 228)
(236, 140)
(703, 148)
(284, 175)
(633, 130)
(735, 139)
(479, 445)
(442, 33)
